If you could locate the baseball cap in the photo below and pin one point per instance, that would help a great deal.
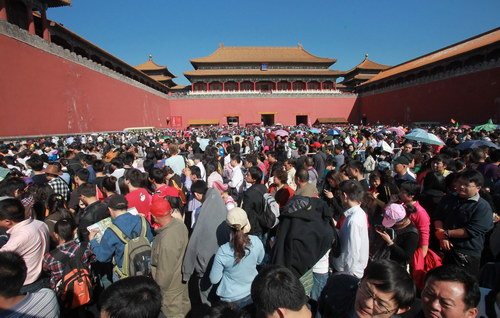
(160, 207)
(118, 202)
(237, 219)
(403, 160)
(393, 213)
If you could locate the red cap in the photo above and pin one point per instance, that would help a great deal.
(160, 207)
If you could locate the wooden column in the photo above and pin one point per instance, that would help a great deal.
(307, 86)
(334, 85)
(3, 10)
(223, 86)
(45, 25)
(208, 86)
(320, 86)
(276, 85)
(29, 19)
(254, 86)
(192, 87)
(239, 86)
(291, 85)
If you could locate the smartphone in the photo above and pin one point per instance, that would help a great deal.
(380, 228)
(391, 232)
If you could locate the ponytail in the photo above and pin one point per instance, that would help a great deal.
(240, 241)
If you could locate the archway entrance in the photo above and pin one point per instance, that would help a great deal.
(301, 119)
(267, 119)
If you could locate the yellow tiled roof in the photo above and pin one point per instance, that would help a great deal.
(442, 54)
(261, 55)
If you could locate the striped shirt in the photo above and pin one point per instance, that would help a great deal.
(42, 303)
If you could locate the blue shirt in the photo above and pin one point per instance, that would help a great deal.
(91, 174)
(236, 279)
(111, 245)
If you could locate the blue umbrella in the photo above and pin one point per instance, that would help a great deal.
(224, 139)
(476, 144)
(425, 137)
(315, 130)
(333, 132)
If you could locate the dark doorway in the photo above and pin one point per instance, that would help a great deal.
(267, 119)
(233, 120)
(301, 119)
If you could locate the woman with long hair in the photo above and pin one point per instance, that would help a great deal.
(235, 263)
(57, 210)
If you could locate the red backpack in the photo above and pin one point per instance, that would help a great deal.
(76, 286)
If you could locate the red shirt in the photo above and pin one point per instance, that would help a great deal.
(165, 191)
(141, 200)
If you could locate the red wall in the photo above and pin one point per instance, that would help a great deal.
(248, 109)
(471, 98)
(44, 94)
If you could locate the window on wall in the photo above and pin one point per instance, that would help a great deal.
(233, 120)
(247, 86)
(283, 86)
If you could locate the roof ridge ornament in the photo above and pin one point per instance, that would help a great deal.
(150, 57)
(299, 45)
(221, 45)
(366, 56)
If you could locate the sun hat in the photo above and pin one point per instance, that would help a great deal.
(237, 219)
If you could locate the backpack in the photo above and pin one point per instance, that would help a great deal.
(136, 252)
(271, 211)
(76, 286)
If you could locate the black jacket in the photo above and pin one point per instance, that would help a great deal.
(305, 233)
(476, 217)
(253, 204)
(93, 213)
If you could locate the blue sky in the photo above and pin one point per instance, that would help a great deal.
(391, 32)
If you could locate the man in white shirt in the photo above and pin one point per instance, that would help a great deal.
(353, 234)
(237, 175)
(197, 161)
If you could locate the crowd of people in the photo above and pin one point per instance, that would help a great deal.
(351, 221)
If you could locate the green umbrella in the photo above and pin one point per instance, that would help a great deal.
(489, 126)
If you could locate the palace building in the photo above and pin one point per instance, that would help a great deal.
(362, 72)
(53, 81)
(157, 72)
(262, 69)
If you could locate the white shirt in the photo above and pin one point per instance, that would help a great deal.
(118, 173)
(237, 178)
(354, 243)
(202, 170)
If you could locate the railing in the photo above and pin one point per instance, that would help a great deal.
(257, 92)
